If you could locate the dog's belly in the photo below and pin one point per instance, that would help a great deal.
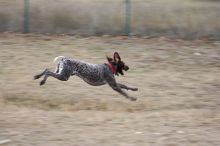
(93, 81)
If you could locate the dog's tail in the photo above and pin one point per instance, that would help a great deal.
(58, 58)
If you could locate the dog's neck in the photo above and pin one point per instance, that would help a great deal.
(111, 67)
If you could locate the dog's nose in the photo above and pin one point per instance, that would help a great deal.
(126, 68)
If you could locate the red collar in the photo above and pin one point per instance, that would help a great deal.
(111, 68)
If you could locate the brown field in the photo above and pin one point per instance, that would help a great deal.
(178, 99)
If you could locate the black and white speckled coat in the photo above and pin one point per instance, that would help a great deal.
(93, 74)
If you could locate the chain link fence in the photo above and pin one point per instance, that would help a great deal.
(175, 18)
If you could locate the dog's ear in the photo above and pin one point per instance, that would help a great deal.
(117, 56)
(109, 59)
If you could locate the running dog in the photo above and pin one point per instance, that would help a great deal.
(93, 74)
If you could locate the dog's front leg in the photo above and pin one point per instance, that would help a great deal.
(112, 83)
(126, 87)
(118, 89)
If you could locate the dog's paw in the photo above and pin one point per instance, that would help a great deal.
(42, 82)
(36, 77)
(134, 89)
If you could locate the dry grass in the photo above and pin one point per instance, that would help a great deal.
(178, 97)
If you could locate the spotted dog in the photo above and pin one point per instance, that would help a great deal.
(93, 74)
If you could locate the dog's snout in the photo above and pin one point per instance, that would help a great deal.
(126, 68)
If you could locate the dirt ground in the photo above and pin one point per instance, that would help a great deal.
(178, 99)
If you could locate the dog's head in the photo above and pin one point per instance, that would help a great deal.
(118, 64)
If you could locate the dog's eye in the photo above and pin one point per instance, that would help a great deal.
(122, 64)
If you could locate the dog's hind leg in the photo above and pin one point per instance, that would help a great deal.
(57, 68)
(58, 76)
(126, 87)
(40, 75)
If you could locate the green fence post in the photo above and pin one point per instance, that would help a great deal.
(26, 23)
(127, 17)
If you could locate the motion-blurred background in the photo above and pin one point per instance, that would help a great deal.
(174, 18)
